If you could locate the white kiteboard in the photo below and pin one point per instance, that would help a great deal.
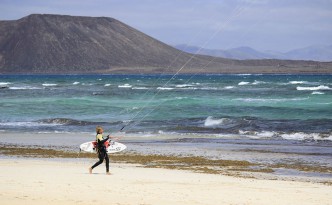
(111, 147)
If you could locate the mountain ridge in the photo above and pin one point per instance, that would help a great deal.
(63, 44)
(314, 53)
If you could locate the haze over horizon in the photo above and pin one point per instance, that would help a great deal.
(260, 24)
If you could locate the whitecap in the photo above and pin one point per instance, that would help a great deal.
(241, 132)
(321, 87)
(317, 93)
(184, 86)
(270, 100)
(211, 122)
(325, 103)
(181, 98)
(107, 85)
(297, 82)
(243, 83)
(266, 134)
(258, 135)
(49, 84)
(125, 86)
(302, 136)
(140, 88)
(164, 88)
(258, 82)
(76, 83)
(229, 87)
(4, 84)
(161, 132)
(26, 124)
(24, 88)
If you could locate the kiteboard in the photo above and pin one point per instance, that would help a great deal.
(111, 147)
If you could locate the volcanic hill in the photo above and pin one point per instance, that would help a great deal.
(44, 43)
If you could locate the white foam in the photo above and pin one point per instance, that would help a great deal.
(270, 100)
(300, 136)
(181, 98)
(243, 83)
(258, 135)
(26, 124)
(107, 85)
(266, 134)
(229, 87)
(49, 84)
(4, 83)
(125, 86)
(209, 88)
(76, 83)
(165, 88)
(161, 132)
(328, 103)
(321, 87)
(306, 136)
(317, 93)
(24, 88)
(297, 82)
(184, 86)
(211, 122)
(140, 88)
(258, 82)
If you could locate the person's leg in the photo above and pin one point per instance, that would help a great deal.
(107, 163)
(101, 159)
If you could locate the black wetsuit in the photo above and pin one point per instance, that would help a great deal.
(102, 153)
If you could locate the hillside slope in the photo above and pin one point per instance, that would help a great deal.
(72, 44)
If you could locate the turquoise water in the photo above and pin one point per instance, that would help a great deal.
(261, 106)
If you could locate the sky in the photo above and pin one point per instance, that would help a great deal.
(278, 25)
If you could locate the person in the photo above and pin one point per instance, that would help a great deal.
(101, 150)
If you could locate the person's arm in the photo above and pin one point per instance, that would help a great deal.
(111, 137)
(104, 140)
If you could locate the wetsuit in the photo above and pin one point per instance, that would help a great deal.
(101, 150)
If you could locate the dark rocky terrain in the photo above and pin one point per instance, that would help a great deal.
(73, 44)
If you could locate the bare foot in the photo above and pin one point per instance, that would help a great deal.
(108, 173)
(90, 170)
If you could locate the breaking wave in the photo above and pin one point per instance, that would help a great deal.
(321, 87)
(49, 84)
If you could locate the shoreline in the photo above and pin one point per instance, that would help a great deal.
(37, 181)
(194, 164)
(237, 157)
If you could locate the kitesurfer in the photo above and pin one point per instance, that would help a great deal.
(101, 150)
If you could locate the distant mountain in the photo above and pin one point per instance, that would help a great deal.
(43, 43)
(315, 53)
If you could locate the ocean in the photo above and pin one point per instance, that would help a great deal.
(268, 119)
(290, 107)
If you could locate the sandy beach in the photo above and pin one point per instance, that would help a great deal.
(44, 181)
